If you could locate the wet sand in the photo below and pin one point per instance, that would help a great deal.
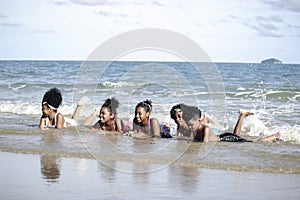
(78, 164)
(275, 157)
(27, 176)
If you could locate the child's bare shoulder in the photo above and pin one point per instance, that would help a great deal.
(60, 116)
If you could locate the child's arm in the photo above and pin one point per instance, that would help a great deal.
(155, 127)
(209, 136)
(42, 122)
(96, 126)
(91, 118)
(134, 125)
(119, 125)
(202, 134)
(206, 134)
(60, 121)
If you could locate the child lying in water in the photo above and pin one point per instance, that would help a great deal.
(51, 118)
(143, 125)
(108, 120)
(190, 122)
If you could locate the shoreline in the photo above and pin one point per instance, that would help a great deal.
(242, 157)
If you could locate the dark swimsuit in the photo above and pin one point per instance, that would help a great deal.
(230, 137)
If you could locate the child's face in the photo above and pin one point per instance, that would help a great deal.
(194, 124)
(178, 118)
(141, 115)
(46, 110)
(105, 115)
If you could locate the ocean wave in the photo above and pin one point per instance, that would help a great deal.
(21, 108)
(254, 127)
(108, 84)
(25, 108)
(292, 95)
(17, 86)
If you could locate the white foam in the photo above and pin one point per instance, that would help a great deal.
(289, 133)
(254, 126)
(294, 98)
(25, 108)
(119, 84)
(16, 88)
(241, 89)
(243, 93)
(20, 108)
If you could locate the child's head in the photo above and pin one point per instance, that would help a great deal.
(177, 113)
(108, 110)
(175, 110)
(51, 100)
(191, 115)
(143, 110)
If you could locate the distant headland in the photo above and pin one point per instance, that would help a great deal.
(271, 61)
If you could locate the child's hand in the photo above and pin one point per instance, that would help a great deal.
(42, 122)
(136, 134)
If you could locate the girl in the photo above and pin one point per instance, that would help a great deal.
(108, 120)
(51, 118)
(142, 124)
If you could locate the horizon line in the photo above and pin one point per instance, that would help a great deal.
(81, 60)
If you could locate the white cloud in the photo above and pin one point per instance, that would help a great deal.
(273, 18)
(293, 5)
(11, 25)
(93, 2)
(76, 27)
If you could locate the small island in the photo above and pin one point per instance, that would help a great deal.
(271, 61)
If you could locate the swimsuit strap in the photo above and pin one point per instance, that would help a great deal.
(55, 117)
(55, 120)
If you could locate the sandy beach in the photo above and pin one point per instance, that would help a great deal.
(87, 165)
(28, 176)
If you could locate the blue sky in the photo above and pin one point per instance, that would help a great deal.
(229, 30)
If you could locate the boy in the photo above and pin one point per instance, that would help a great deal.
(191, 115)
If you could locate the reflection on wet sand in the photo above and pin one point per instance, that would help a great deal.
(107, 170)
(185, 177)
(82, 166)
(50, 167)
(51, 164)
(52, 137)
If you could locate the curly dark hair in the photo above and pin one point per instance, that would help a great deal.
(173, 111)
(181, 107)
(147, 105)
(111, 104)
(53, 97)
